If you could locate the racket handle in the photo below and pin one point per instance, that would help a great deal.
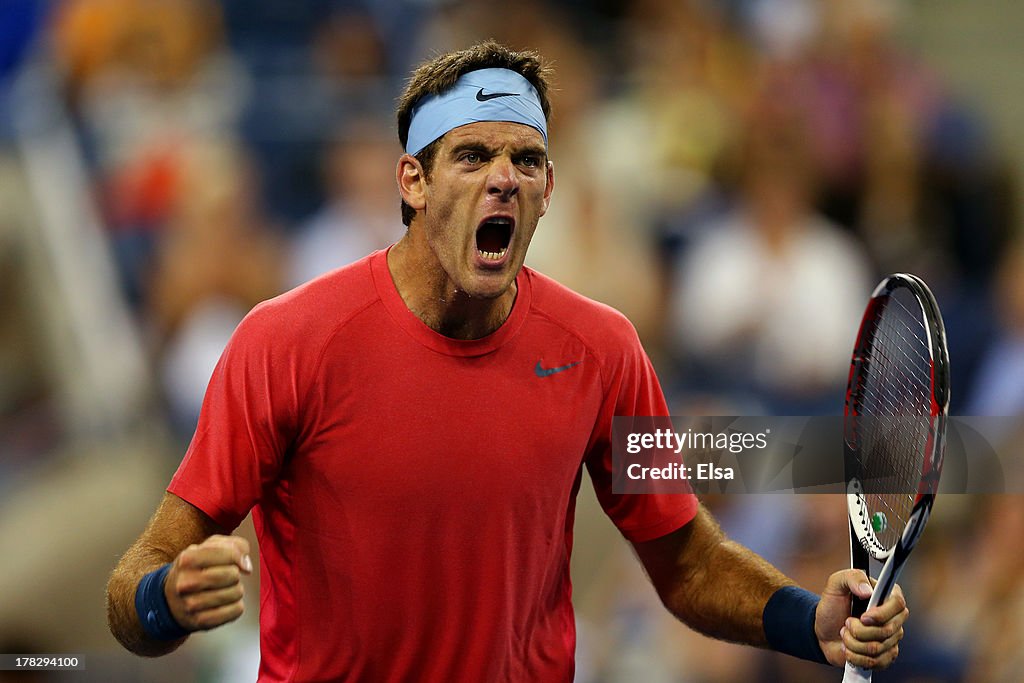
(858, 607)
(855, 674)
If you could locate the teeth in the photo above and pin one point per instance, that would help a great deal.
(500, 219)
(492, 255)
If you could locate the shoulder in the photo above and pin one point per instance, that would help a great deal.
(313, 311)
(601, 328)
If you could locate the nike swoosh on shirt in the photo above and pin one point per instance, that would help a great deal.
(481, 97)
(547, 372)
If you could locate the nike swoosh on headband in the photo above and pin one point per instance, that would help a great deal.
(481, 97)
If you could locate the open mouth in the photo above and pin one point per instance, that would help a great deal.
(493, 237)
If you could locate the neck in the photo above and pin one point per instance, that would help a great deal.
(430, 294)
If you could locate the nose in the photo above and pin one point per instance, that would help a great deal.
(502, 179)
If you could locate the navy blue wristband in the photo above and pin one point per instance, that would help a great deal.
(789, 623)
(151, 606)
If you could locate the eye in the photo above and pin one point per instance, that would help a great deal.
(529, 160)
(472, 157)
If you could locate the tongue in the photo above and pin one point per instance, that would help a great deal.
(492, 237)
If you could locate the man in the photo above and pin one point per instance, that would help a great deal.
(410, 431)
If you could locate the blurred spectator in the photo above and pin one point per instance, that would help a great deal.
(904, 162)
(219, 258)
(998, 387)
(30, 425)
(998, 609)
(674, 112)
(148, 79)
(767, 298)
(313, 65)
(361, 213)
(678, 107)
(862, 95)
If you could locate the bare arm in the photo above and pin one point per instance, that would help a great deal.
(203, 588)
(710, 583)
(720, 588)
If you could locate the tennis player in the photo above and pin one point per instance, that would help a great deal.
(409, 433)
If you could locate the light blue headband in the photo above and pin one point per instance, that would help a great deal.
(482, 95)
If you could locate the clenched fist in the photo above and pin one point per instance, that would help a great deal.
(204, 586)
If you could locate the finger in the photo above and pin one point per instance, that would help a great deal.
(210, 578)
(894, 605)
(849, 581)
(198, 557)
(882, 632)
(228, 542)
(871, 640)
(218, 616)
(867, 662)
(207, 600)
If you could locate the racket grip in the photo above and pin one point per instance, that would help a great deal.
(858, 606)
(855, 674)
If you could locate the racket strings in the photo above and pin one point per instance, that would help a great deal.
(894, 402)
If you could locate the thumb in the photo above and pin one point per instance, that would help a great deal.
(849, 581)
(241, 552)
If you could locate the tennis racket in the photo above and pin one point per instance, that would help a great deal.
(894, 428)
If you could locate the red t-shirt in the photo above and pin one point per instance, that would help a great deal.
(413, 494)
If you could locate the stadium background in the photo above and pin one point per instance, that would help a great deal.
(732, 175)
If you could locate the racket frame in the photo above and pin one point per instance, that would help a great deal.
(864, 544)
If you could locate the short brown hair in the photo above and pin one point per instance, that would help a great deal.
(439, 75)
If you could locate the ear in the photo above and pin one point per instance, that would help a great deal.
(550, 186)
(411, 181)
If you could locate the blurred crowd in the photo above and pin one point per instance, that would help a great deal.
(734, 175)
